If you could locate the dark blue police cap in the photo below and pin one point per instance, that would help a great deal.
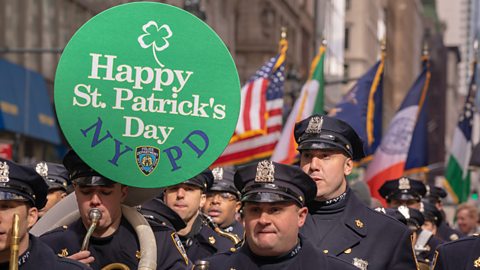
(403, 189)
(54, 174)
(431, 213)
(204, 180)
(22, 183)
(269, 181)
(223, 181)
(82, 174)
(324, 132)
(435, 194)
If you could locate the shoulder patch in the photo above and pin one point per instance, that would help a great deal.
(178, 244)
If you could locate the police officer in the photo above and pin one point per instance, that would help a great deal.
(223, 202)
(339, 223)
(444, 231)
(460, 254)
(23, 192)
(56, 177)
(274, 197)
(114, 239)
(403, 191)
(157, 212)
(186, 199)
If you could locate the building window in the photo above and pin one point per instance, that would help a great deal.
(347, 38)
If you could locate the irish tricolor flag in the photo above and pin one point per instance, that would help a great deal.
(310, 101)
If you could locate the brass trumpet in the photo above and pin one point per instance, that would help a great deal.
(94, 215)
(14, 247)
(237, 242)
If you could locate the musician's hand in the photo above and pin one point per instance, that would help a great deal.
(83, 257)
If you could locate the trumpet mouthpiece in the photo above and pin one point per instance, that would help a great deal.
(95, 214)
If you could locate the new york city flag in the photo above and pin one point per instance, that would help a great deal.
(390, 157)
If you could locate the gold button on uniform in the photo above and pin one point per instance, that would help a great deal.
(348, 251)
(325, 251)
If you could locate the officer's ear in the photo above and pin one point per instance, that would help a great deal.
(32, 216)
(238, 205)
(203, 199)
(124, 191)
(348, 166)
(302, 215)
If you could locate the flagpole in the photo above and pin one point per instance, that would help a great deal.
(282, 49)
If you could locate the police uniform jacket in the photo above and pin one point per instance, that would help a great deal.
(39, 255)
(303, 256)
(235, 228)
(447, 233)
(362, 236)
(429, 250)
(203, 241)
(120, 247)
(462, 254)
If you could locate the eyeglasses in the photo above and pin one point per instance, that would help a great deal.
(224, 195)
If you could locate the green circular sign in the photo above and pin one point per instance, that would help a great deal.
(147, 94)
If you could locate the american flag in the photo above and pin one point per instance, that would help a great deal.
(248, 148)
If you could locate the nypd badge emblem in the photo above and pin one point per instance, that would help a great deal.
(147, 158)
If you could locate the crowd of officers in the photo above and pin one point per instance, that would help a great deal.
(262, 216)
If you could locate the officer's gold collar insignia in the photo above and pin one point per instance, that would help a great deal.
(358, 223)
(265, 172)
(403, 183)
(42, 169)
(4, 172)
(212, 240)
(360, 264)
(138, 254)
(217, 173)
(315, 125)
(476, 263)
(63, 253)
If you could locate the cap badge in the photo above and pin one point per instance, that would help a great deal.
(403, 183)
(217, 173)
(265, 171)
(42, 169)
(4, 171)
(315, 125)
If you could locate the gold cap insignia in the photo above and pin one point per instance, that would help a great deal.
(403, 183)
(4, 172)
(217, 173)
(360, 264)
(212, 240)
(42, 169)
(265, 172)
(63, 253)
(358, 223)
(315, 125)
(476, 263)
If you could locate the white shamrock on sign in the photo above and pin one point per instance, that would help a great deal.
(155, 37)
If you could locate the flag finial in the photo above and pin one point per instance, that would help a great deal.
(283, 34)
